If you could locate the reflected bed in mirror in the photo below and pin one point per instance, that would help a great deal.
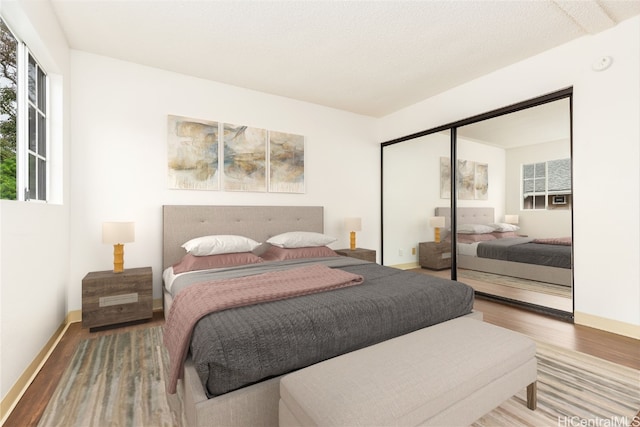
(542, 283)
(528, 257)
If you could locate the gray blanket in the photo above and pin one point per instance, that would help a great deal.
(241, 346)
(520, 249)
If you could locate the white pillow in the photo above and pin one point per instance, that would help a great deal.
(475, 229)
(502, 227)
(219, 244)
(300, 239)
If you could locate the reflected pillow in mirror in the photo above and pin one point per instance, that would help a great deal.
(475, 229)
(504, 234)
(473, 238)
(502, 226)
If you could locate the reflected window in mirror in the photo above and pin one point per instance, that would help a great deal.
(546, 185)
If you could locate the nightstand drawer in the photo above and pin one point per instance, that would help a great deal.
(110, 298)
(435, 256)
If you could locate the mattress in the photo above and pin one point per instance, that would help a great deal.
(525, 251)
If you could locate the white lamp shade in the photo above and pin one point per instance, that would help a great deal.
(118, 232)
(353, 224)
(511, 219)
(437, 221)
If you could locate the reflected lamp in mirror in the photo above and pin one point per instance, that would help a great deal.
(353, 225)
(511, 219)
(437, 222)
(117, 234)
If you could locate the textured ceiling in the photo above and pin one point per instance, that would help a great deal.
(367, 57)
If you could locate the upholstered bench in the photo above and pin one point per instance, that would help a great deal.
(448, 374)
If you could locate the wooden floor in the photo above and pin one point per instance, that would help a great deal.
(602, 344)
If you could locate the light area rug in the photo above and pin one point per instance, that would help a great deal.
(516, 282)
(116, 380)
(119, 380)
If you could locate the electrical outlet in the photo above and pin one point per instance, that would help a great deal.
(400, 252)
(413, 251)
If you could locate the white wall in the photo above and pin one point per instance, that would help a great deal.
(34, 248)
(119, 158)
(606, 153)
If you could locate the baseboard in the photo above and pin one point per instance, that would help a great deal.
(73, 317)
(609, 325)
(14, 394)
(407, 266)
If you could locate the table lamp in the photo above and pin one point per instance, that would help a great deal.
(118, 233)
(437, 222)
(353, 225)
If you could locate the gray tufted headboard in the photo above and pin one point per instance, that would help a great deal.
(467, 216)
(183, 222)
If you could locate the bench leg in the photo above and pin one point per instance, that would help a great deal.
(532, 395)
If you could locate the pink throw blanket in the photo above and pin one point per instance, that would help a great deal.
(196, 301)
(562, 241)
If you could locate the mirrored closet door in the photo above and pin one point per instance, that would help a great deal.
(511, 235)
(411, 191)
(515, 171)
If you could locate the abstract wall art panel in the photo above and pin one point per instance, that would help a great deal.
(481, 181)
(245, 159)
(286, 162)
(193, 152)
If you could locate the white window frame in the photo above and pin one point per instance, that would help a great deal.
(546, 193)
(23, 192)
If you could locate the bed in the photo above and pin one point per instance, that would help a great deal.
(231, 388)
(540, 259)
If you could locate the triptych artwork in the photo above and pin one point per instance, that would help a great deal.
(472, 179)
(209, 155)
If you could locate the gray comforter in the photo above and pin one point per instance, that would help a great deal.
(521, 249)
(241, 346)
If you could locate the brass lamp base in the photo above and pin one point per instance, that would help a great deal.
(437, 235)
(352, 241)
(118, 258)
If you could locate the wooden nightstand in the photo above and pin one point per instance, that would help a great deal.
(110, 298)
(435, 256)
(359, 253)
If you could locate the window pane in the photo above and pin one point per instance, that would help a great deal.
(540, 185)
(8, 108)
(527, 171)
(32, 79)
(32, 176)
(42, 135)
(559, 175)
(527, 186)
(42, 91)
(32, 128)
(540, 170)
(539, 201)
(42, 179)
